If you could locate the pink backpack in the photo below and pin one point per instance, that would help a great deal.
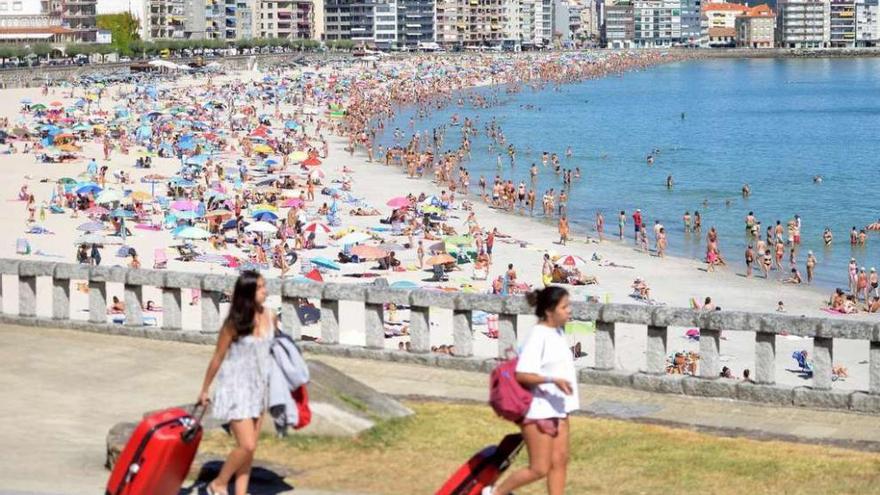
(508, 398)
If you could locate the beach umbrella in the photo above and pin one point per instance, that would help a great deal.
(291, 124)
(311, 161)
(183, 205)
(398, 202)
(91, 227)
(141, 196)
(109, 196)
(91, 239)
(56, 103)
(262, 227)
(390, 246)
(299, 156)
(572, 261)
(459, 240)
(186, 215)
(97, 211)
(368, 252)
(263, 207)
(325, 263)
(25, 101)
(313, 276)
(192, 233)
(88, 188)
(440, 259)
(266, 216)
(122, 213)
(263, 148)
(218, 214)
(431, 209)
(38, 107)
(66, 180)
(354, 237)
(315, 226)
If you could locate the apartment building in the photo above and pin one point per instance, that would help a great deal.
(756, 28)
(842, 20)
(287, 19)
(803, 23)
(77, 15)
(619, 24)
(476, 23)
(867, 23)
(657, 23)
(350, 20)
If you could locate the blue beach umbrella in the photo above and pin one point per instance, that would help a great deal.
(91, 227)
(192, 233)
(122, 213)
(326, 263)
(88, 188)
(266, 216)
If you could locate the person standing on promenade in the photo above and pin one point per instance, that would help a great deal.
(546, 366)
(241, 364)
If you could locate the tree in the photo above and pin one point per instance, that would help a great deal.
(124, 29)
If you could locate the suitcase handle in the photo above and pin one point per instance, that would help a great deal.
(194, 424)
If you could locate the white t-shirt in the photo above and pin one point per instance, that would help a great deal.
(546, 352)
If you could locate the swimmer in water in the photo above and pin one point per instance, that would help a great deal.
(669, 182)
(817, 179)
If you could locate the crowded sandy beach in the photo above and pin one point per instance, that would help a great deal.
(276, 169)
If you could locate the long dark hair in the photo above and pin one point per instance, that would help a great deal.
(546, 299)
(244, 305)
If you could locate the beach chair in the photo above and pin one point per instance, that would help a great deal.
(160, 259)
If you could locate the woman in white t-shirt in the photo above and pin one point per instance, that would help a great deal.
(546, 366)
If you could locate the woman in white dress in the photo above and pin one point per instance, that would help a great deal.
(546, 366)
(241, 363)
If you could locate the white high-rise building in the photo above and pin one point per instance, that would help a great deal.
(803, 23)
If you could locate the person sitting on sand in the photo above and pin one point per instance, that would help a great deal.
(641, 289)
(117, 306)
(794, 278)
(849, 305)
(324, 209)
(874, 305)
(837, 300)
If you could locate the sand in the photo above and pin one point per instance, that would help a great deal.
(673, 281)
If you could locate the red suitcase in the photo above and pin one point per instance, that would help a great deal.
(157, 457)
(484, 468)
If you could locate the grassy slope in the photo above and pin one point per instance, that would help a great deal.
(415, 455)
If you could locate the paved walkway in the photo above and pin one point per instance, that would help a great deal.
(63, 390)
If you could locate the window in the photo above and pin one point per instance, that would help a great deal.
(16, 6)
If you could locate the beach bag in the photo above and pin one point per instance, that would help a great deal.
(301, 398)
(508, 398)
(22, 246)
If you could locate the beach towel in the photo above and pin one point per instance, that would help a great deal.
(56, 209)
(144, 226)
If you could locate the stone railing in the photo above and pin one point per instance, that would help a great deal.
(656, 320)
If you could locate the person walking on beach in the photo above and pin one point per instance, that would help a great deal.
(546, 366)
(600, 225)
(563, 230)
(750, 258)
(241, 364)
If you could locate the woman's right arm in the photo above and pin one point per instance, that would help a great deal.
(223, 343)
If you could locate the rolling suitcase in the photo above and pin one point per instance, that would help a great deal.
(157, 457)
(484, 468)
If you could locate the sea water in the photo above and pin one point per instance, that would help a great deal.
(718, 124)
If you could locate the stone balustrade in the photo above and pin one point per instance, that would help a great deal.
(655, 319)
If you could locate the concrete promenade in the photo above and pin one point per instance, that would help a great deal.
(63, 390)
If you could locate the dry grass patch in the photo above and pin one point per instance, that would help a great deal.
(416, 454)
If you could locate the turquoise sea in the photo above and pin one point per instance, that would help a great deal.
(774, 124)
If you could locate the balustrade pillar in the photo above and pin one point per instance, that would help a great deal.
(419, 329)
(60, 298)
(134, 302)
(374, 326)
(210, 311)
(710, 353)
(823, 355)
(172, 309)
(874, 368)
(97, 301)
(765, 358)
(329, 321)
(27, 295)
(290, 318)
(463, 332)
(605, 352)
(655, 353)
